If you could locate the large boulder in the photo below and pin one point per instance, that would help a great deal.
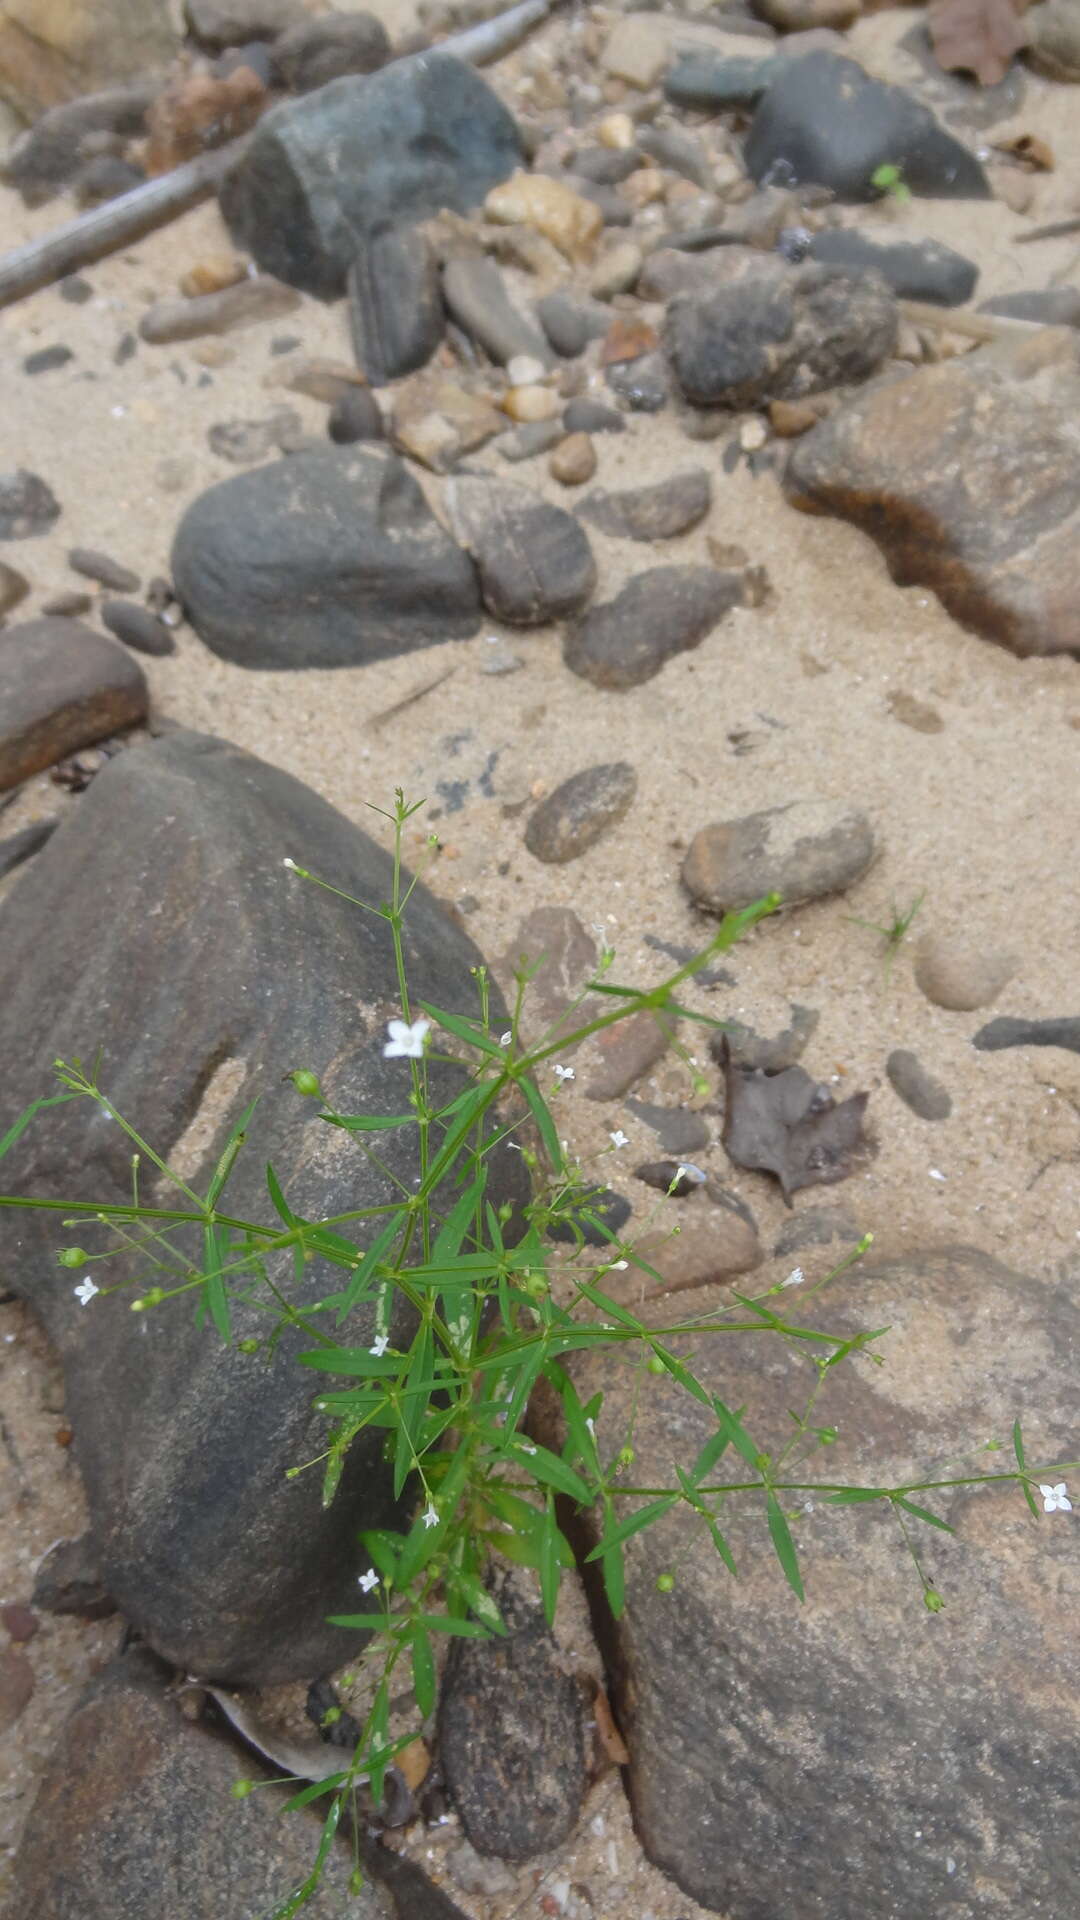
(331, 558)
(159, 930)
(859, 1757)
(325, 173)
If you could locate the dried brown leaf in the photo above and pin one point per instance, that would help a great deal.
(1029, 151)
(787, 1124)
(976, 36)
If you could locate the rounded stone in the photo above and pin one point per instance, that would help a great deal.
(574, 462)
(917, 1088)
(802, 852)
(580, 812)
(961, 973)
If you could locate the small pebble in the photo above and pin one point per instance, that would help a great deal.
(210, 275)
(70, 604)
(46, 359)
(20, 1622)
(354, 415)
(752, 434)
(108, 572)
(574, 461)
(524, 370)
(917, 1088)
(616, 130)
(580, 812)
(125, 349)
(958, 972)
(14, 587)
(75, 290)
(527, 404)
(137, 627)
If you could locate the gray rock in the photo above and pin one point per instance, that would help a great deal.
(105, 177)
(475, 293)
(396, 315)
(24, 844)
(324, 559)
(68, 1580)
(313, 52)
(326, 172)
(1008, 1032)
(225, 1567)
(680, 1130)
(69, 603)
(762, 1053)
(668, 1177)
(27, 506)
(591, 416)
(534, 560)
(47, 359)
(228, 23)
(917, 1087)
(625, 1053)
(824, 120)
(62, 686)
(101, 567)
(802, 852)
(815, 1227)
(679, 151)
(1050, 306)
(525, 442)
(571, 320)
(46, 157)
(14, 587)
(658, 614)
(779, 335)
(605, 166)
(960, 972)
(242, 305)
(137, 627)
(749, 1776)
(181, 1845)
(716, 83)
(914, 269)
(511, 1740)
(643, 383)
(580, 812)
(658, 512)
(354, 416)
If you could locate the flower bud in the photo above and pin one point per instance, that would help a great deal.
(241, 1788)
(248, 1346)
(306, 1083)
(932, 1600)
(655, 1365)
(72, 1256)
(665, 1582)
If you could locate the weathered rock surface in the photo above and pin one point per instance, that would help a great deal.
(561, 956)
(970, 484)
(625, 1053)
(802, 852)
(658, 614)
(914, 269)
(781, 332)
(510, 1734)
(748, 1777)
(68, 1580)
(325, 173)
(50, 53)
(436, 422)
(580, 812)
(142, 1799)
(21, 846)
(27, 505)
(657, 512)
(396, 315)
(226, 1567)
(62, 686)
(321, 559)
(917, 1086)
(822, 119)
(534, 560)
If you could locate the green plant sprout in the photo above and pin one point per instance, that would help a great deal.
(489, 1311)
(895, 933)
(889, 181)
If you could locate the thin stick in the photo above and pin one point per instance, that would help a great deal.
(973, 326)
(104, 229)
(1054, 231)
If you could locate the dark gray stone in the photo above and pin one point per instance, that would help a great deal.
(1050, 306)
(716, 83)
(327, 172)
(105, 177)
(534, 560)
(396, 316)
(1008, 1032)
(642, 383)
(571, 320)
(580, 811)
(27, 506)
(228, 23)
(94, 565)
(75, 290)
(525, 442)
(667, 1177)
(679, 1130)
(591, 416)
(226, 1567)
(62, 686)
(180, 1845)
(823, 120)
(475, 293)
(137, 627)
(657, 512)
(914, 269)
(917, 1088)
(324, 559)
(353, 416)
(779, 334)
(658, 614)
(47, 359)
(511, 1740)
(50, 153)
(313, 52)
(23, 845)
(68, 1580)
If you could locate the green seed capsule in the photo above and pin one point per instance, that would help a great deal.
(306, 1083)
(72, 1256)
(665, 1582)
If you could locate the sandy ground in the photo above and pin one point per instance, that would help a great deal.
(977, 817)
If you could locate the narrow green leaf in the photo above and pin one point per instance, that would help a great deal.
(785, 1546)
(281, 1206)
(458, 1629)
(368, 1122)
(550, 1562)
(462, 1029)
(1018, 1444)
(852, 1496)
(921, 1513)
(736, 1433)
(229, 1154)
(368, 1264)
(370, 1622)
(38, 1106)
(553, 1472)
(709, 1455)
(614, 1580)
(723, 1549)
(354, 1362)
(614, 1536)
(384, 1548)
(423, 1669)
(215, 1251)
(546, 1125)
(314, 1791)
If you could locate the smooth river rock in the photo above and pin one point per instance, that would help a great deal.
(801, 851)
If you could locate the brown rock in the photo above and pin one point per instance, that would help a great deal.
(802, 852)
(210, 275)
(713, 1244)
(564, 217)
(16, 1686)
(320, 379)
(258, 298)
(62, 687)
(534, 559)
(658, 512)
(437, 422)
(627, 338)
(625, 1053)
(789, 418)
(561, 955)
(574, 461)
(969, 481)
(580, 812)
(20, 1623)
(14, 586)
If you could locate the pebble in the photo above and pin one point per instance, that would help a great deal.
(914, 713)
(617, 270)
(23, 845)
(1050, 306)
(312, 52)
(659, 613)
(137, 627)
(573, 461)
(564, 217)
(27, 506)
(710, 83)
(643, 383)
(210, 275)
(570, 320)
(476, 296)
(790, 418)
(528, 404)
(396, 313)
(536, 436)
(126, 348)
(46, 359)
(69, 604)
(625, 1054)
(256, 298)
(14, 586)
(659, 512)
(318, 378)
(915, 270)
(581, 811)
(75, 290)
(668, 1177)
(917, 1087)
(957, 971)
(637, 51)
(354, 415)
(62, 687)
(591, 416)
(1006, 1032)
(20, 1622)
(616, 130)
(534, 559)
(778, 332)
(243, 442)
(439, 423)
(108, 572)
(803, 851)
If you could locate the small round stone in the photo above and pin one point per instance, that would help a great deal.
(137, 627)
(574, 461)
(580, 812)
(524, 370)
(531, 403)
(355, 415)
(956, 971)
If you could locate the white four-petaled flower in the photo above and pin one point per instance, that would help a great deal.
(1055, 1499)
(795, 1278)
(431, 1516)
(380, 1344)
(406, 1042)
(565, 1073)
(85, 1291)
(619, 1138)
(369, 1580)
(505, 1038)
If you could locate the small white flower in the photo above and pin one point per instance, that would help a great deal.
(619, 1138)
(291, 864)
(1055, 1499)
(381, 1342)
(369, 1580)
(795, 1278)
(85, 1291)
(431, 1516)
(591, 1424)
(619, 1266)
(565, 1073)
(688, 1171)
(406, 1042)
(522, 1448)
(505, 1038)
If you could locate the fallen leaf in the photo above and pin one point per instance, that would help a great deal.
(1031, 152)
(607, 1732)
(976, 36)
(790, 1125)
(414, 1762)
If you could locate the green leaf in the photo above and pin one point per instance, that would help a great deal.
(736, 1433)
(229, 1154)
(614, 1536)
(478, 1599)
(370, 1622)
(921, 1513)
(38, 1106)
(1018, 1446)
(384, 1549)
(215, 1251)
(356, 1363)
(314, 1791)
(368, 1122)
(723, 1549)
(281, 1206)
(463, 1029)
(852, 1496)
(423, 1669)
(550, 1561)
(614, 1580)
(546, 1125)
(709, 1455)
(785, 1546)
(458, 1629)
(368, 1264)
(553, 1472)
(415, 1397)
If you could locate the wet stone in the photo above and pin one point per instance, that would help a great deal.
(580, 812)
(657, 615)
(916, 1086)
